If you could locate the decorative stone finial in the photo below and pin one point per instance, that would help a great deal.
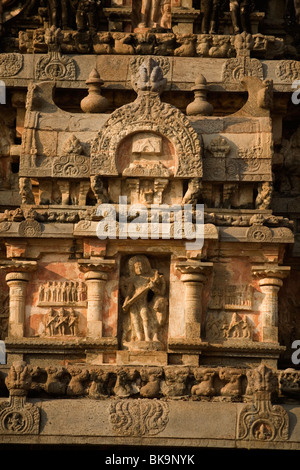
(94, 102)
(149, 77)
(200, 106)
(18, 380)
(53, 38)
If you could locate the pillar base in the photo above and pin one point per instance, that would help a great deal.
(94, 329)
(16, 330)
(270, 334)
(154, 358)
(192, 330)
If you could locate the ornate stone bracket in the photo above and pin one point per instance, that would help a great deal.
(17, 416)
(261, 420)
(54, 65)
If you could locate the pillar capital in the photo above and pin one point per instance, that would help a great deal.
(194, 270)
(270, 271)
(95, 276)
(17, 276)
(96, 267)
(18, 268)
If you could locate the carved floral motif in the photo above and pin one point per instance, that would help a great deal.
(10, 64)
(141, 417)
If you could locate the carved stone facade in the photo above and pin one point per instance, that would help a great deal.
(150, 223)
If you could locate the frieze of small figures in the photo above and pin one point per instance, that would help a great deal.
(145, 43)
(154, 382)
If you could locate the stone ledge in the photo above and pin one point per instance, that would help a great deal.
(92, 423)
(32, 344)
(182, 72)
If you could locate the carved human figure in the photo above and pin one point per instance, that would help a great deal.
(240, 15)
(238, 328)
(15, 422)
(61, 322)
(210, 19)
(51, 322)
(150, 13)
(86, 15)
(166, 14)
(58, 296)
(58, 13)
(73, 322)
(146, 314)
(81, 291)
(41, 293)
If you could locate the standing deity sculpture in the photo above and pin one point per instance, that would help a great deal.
(58, 13)
(61, 13)
(240, 15)
(210, 10)
(145, 305)
(86, 14)
(151, 12)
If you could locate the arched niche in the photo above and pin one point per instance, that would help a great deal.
(146, 153)
(181, 146)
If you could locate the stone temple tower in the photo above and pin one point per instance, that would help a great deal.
(150, 223)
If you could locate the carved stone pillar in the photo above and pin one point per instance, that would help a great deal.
(84, 187)
(194, 274)
(134, 188)
(17, 277)
(95, 277)
(17, 282)
(270, 281)
(64, 187)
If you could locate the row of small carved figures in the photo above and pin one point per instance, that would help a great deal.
(182, 45)
(84, 216)
(157, 382)
(58, 291)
